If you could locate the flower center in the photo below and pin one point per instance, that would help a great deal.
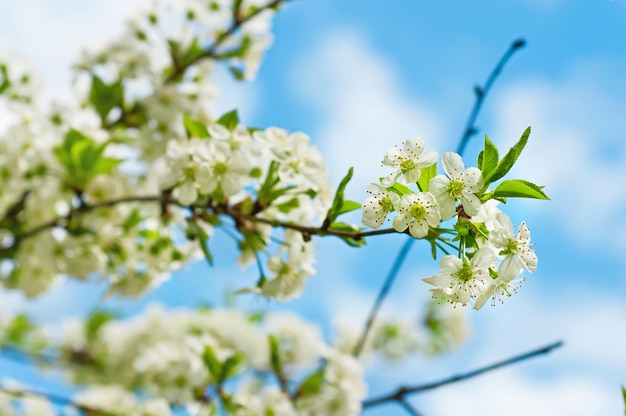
(465, 274)
(221, 168)
(418, 211)
(455, 188)
(407, 165)
(386, 203)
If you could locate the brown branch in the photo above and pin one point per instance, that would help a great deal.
(223, 209)
(400, 394)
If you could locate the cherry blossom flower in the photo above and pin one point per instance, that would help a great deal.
(417, 212)
(459, 184)
(461, 280)
(409, 160)
(377, 207)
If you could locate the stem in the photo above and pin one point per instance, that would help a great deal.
(391, 277)
(211, 51)
(481, 93)
(400, 393)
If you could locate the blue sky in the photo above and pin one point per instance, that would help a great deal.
(360, 77)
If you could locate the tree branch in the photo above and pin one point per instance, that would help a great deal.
(221, 209)
(403, 391)
(481, 93)
(382, 294)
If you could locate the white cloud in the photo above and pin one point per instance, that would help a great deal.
(364, 111)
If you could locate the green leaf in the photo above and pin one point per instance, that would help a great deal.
(211, 362)
(195, 128)
(286, 207)
(312, 385)
(519, 188)
(83, 159)
(103, 166)
(237, 73)
(490, 160)
(348, 206)
(194, 52)
(426, 174)
(351, 228)
(400, 189)
(231, 366)
(333, 211)
(624, 397)
(229, 120)
(18, 329)
(507, 162)
(106, 97)
(95, 322)
(275, 354)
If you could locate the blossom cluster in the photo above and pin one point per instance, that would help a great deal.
(489, 255)
(211, 360)
(105, 184)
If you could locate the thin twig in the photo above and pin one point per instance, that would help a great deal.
(409, 408)
(470, 130)
(391, 277)
(403, 391)
(481, 93)
(212, 50)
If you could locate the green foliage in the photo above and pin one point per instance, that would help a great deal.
(400, 189)
(519, 188)
(194, 128)
(426, 174)
(229, 120)
(19, 328)
(312, 385)
(83, 159)
(338, 201)
(488, 159)
(507, 161)
(95, 322)
(105, 97)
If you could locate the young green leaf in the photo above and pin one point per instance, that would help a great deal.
(105, 97)
(211, 362)
(489, 161)
(275, 354)
(426, 174)
(229, 120)
(311, 385)
(195, 128)
(400, 189)
(95, 322)
(519, 188)
(335, 208)
(507, 162)
(348, 206)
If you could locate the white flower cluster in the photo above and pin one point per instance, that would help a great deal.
(142, 127)
(197, 359)
(490, 256)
